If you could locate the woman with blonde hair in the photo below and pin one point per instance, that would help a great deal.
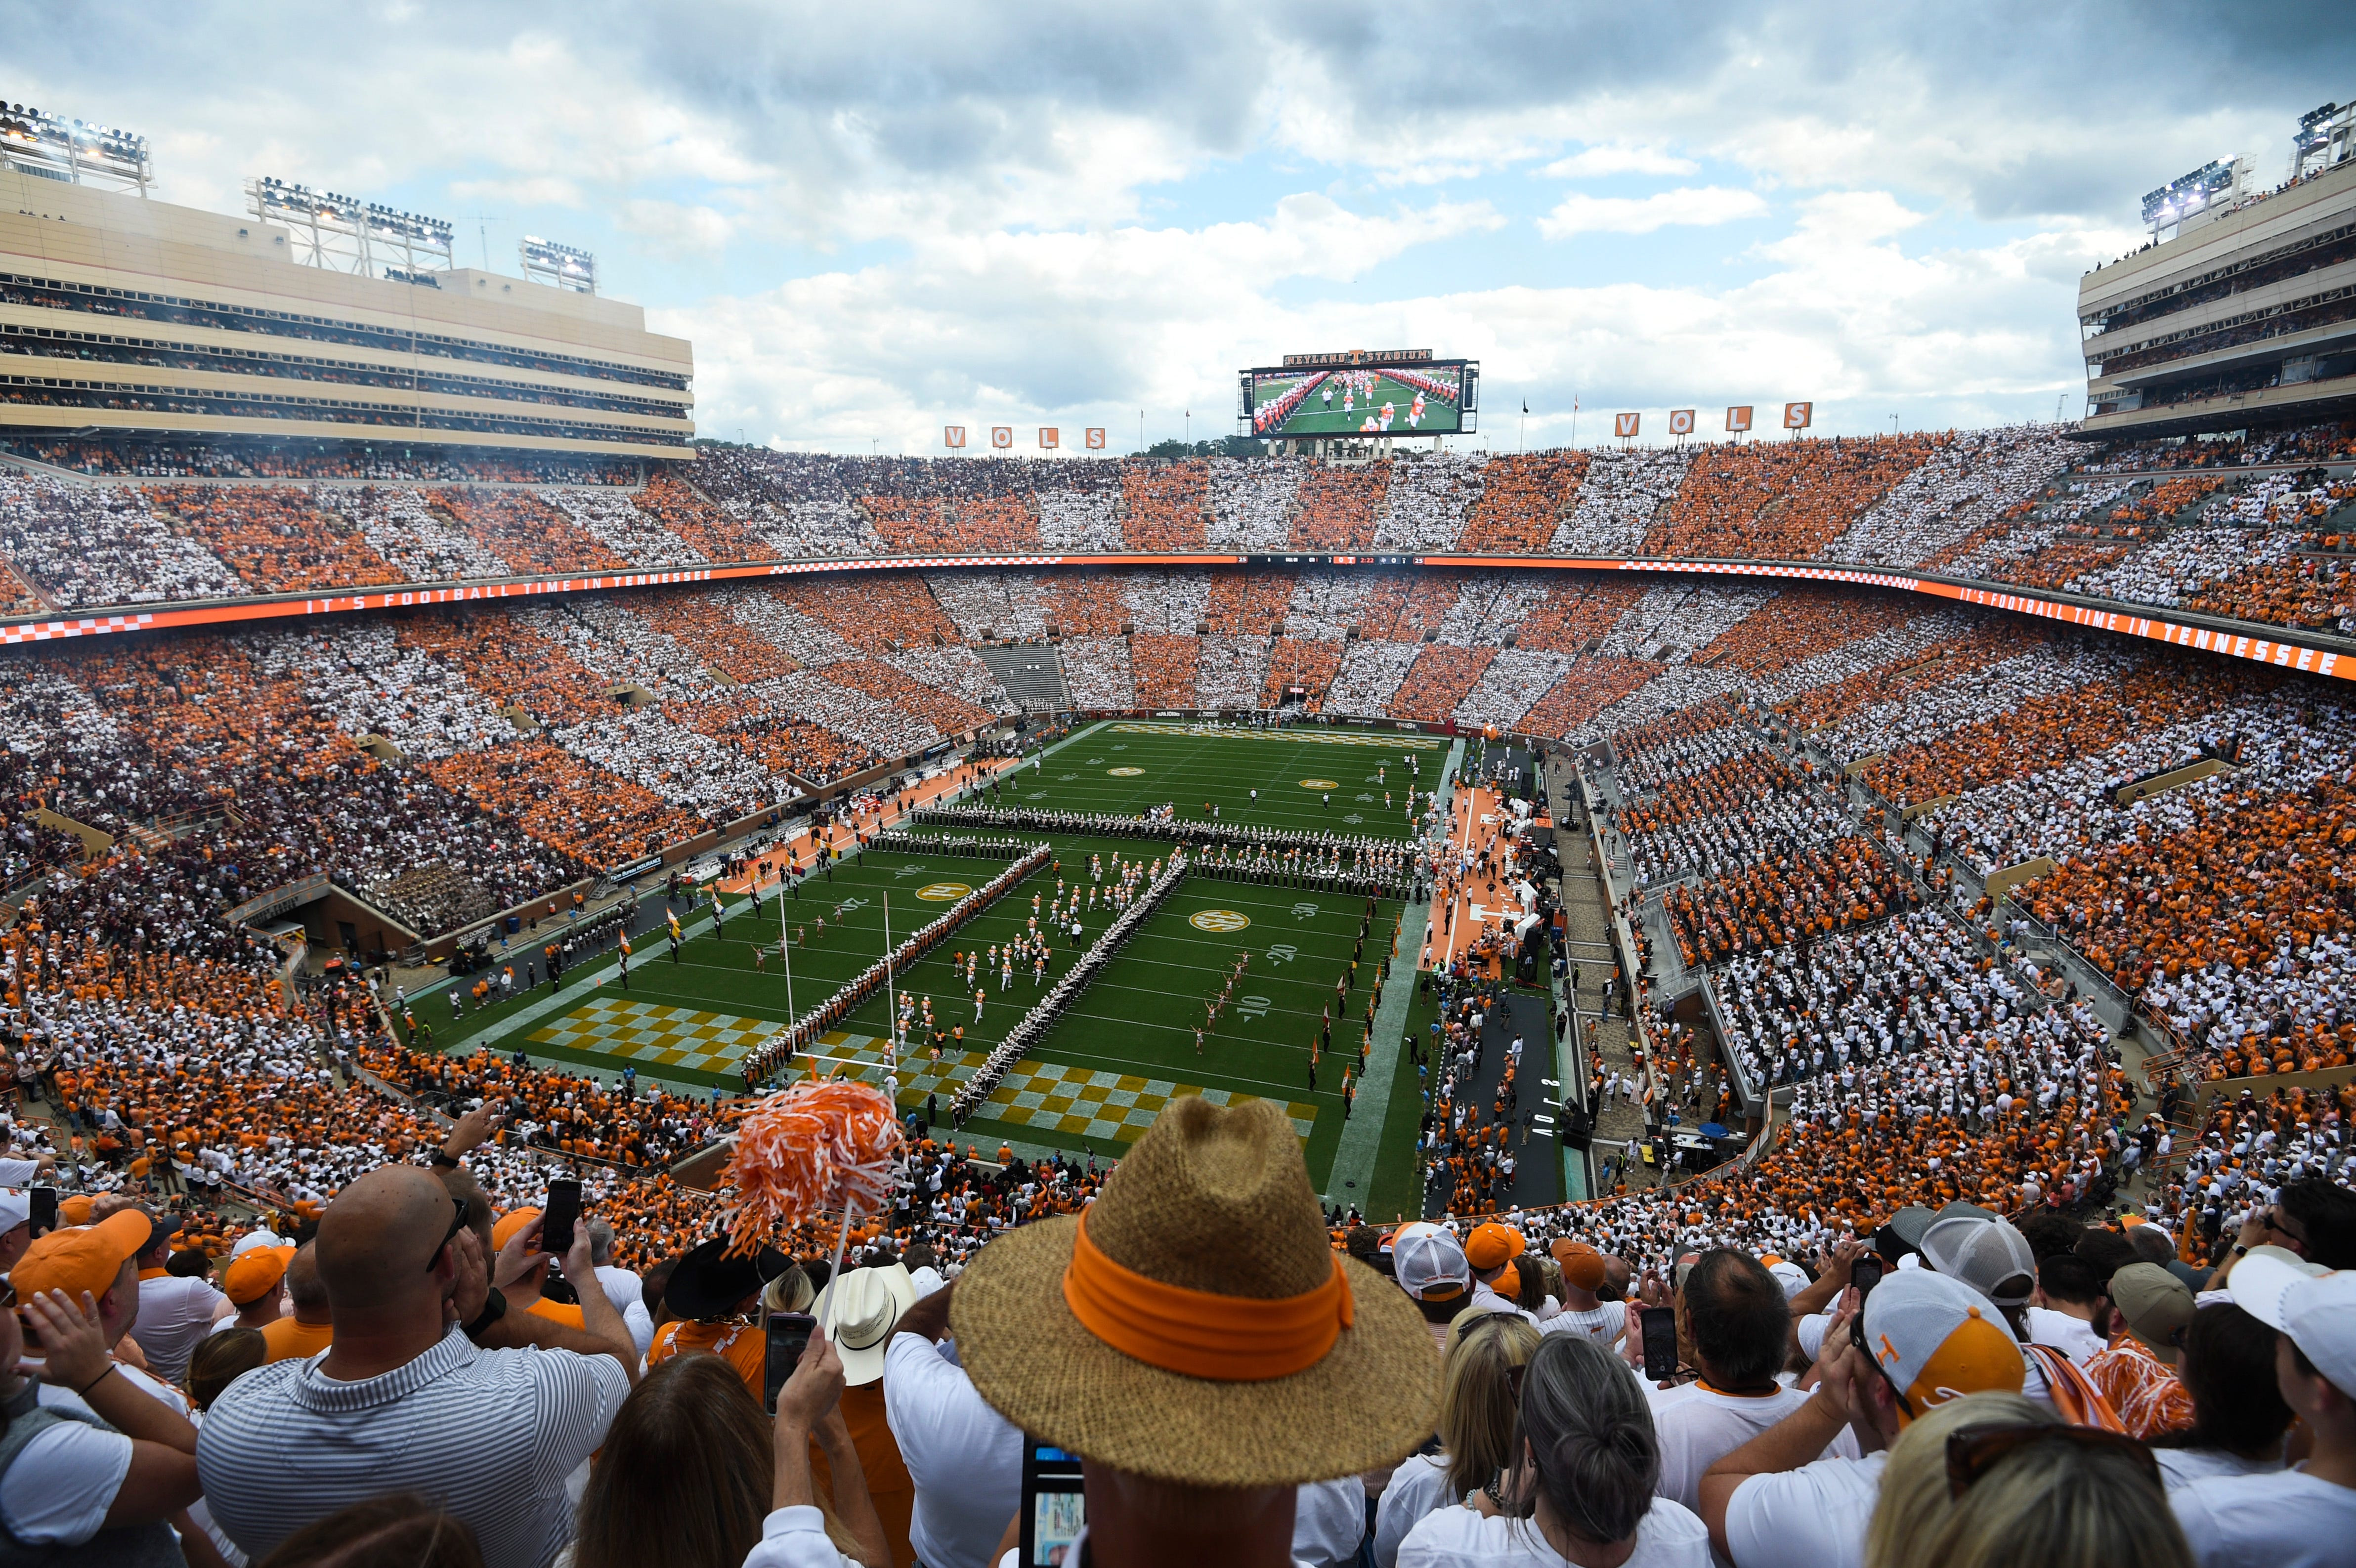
(1914, 1499)
(2053, 1497)
(1479, 1392)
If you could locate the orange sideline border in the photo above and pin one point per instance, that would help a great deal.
(2279, 652)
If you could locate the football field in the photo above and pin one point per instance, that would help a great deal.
(1311, 780)
(1128, 1045)
(1351, 406)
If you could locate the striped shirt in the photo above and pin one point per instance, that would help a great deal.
(489, 1434)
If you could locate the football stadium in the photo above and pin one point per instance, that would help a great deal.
(579, 991)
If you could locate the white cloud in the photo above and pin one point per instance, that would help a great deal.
(1593, 163)
(1689, 206)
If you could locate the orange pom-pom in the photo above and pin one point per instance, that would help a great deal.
(830, 1143)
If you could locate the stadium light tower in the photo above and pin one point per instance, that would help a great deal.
(559, 266)
(48, 146)
(342, 234)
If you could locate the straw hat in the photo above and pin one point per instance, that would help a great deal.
(1206, 1238)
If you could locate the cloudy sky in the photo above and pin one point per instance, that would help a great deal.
(876, 219)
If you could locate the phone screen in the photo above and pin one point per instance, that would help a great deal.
(790, 1334)
(1660, 1344)
(45, 1211)
(1054, 1504)
(556, 1219)
(1865, 1274)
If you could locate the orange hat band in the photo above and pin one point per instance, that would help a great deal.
(1199, 1333)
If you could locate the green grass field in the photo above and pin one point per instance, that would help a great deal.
(1125, 767)
(1128, 1045)
(1315, 416)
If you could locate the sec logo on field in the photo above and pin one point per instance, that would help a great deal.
(1220, 920)
(943, 892)
(1125, 773)
(1320, 783)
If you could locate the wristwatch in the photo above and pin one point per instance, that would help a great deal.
(443, 1160)
(494, 1307)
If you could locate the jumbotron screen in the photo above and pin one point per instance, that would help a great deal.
(1425, 397)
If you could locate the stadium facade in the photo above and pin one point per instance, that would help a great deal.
(126, 319)
(2244, 316)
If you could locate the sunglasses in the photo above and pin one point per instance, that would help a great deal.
(458, 1224)
(1972, 1455)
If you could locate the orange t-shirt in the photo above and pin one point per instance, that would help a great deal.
(289, 1340)
(744, 1346)
(888, 1481)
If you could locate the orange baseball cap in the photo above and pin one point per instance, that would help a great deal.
(1492, 1244)
(255, 1275)
(75, 1211)
(506, 1226)
(1582, 1266)
(86, 1258)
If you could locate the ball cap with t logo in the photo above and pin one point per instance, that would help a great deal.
(1936, 1338)
(1196, 1325)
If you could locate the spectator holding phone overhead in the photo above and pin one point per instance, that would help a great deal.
(431, 1386)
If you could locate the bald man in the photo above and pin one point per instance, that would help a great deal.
(430, 1386)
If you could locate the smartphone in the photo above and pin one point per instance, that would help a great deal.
(1865, 1274)
(1660, 1344)
(1054, 1504)
(556, 1219)
(789, 1334)
(45, 1211)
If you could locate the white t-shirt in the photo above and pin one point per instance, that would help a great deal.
(1418, 1486)
(964, 1458)
(1702, 1428)
(174, 1316)
(1329, 1520)
(2182, 1466)
(1667, 1537)
(2287, 1519)
(62, 1482)
(2074, 1336)
(1603, 1323)
(1814, 1517)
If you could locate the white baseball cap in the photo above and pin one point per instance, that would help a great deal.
(2314, 1304)
(1426, 1260)
(15, 1207)
(260, 1238)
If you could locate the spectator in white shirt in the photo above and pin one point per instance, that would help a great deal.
(93, 1462)
(1925, 1339)
(176, 1311)
(2227, 1366)
(2064, 1312)
(964, 1458)
(1732, 1313)
(1583, 1311)
(2304, 1517)
(1583, 1487)
(1478, 1409)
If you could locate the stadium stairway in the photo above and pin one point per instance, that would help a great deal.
(1033, 673)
